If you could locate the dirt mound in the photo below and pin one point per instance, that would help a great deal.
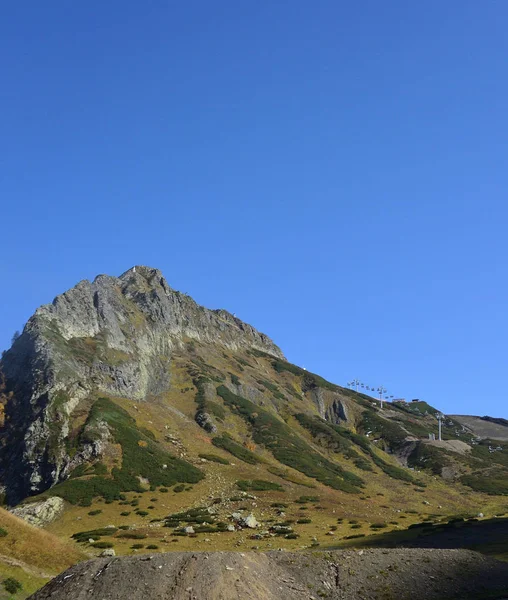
(414, 574)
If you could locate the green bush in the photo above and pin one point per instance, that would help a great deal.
(304, 521)
(131, 535)
(234, 379)
(3, 532)
(226, 442)
(103, 545)
(11, 585)
(137, 546)
(92, 513)
(305, 499)
(179, 488)
(214, 458)
(84, 536)
(125, 514)
(152, 547)
(258, 485)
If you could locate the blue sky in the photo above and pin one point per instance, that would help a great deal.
(335, 173)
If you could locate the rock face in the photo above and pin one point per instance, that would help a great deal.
(113, 336)
(407, 574)
(40, 513)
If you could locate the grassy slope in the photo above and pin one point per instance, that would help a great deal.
(31, 555)
(385, 500)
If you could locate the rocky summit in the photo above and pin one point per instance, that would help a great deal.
(115, 337)
(135, 422)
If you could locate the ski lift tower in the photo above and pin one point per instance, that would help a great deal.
(440, 418)
(355, 383)
(381, 391)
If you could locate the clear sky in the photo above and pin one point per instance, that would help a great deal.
(335, 173)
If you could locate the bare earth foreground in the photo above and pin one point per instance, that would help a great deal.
(399, 574)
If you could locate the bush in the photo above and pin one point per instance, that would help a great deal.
(11, 585)
(3, 532)
(304, 521)
(142, 513)
(92, 513)
(179, 488)
(214, 458)
(126, 513)
(305, 499)
(137, 546)
(258, 485)
(102, 544)
(226, 442)
(152, 547)
(131, 535)
(84, 536)
(234, 379)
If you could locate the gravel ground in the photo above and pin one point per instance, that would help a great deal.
(399, 574)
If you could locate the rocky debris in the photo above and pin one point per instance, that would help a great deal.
(108, 552)
(189, 529)
(249, 521)
(408, 574)
(40, 513)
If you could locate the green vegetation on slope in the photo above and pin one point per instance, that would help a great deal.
(141, 457)
(340, 439)
(226, 442)
(287, 447)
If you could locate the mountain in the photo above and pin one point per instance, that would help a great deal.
(163, 424)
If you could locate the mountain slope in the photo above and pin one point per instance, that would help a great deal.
(30, 555)
(160, 422)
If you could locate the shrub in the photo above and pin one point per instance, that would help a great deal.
(102, 544)
(304, 521)
(137, 546)
(92, 513)
(3, 532)
(11, 585)
(126, 513)
(142, 513)
(215, 458)
(152, 547)
(84, 536)
(226, 442)
(234, 379)
(305, 499)
(179, 488)
(258, 485)
(131, 535)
